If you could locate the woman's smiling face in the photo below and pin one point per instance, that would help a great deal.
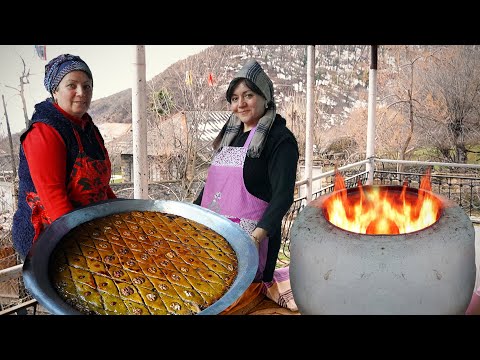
(74, 93)
(248, 106)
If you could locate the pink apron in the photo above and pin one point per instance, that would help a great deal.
(226, 194)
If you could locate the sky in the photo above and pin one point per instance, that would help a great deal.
(112, 67)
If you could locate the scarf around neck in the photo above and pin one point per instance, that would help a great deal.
(234, 126)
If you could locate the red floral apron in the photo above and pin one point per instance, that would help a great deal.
(88, 184)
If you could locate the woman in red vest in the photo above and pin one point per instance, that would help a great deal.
(63, 161)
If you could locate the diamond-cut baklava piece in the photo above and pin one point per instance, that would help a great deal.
(76, 260)
(135, 308)
(114, 304)
(106, 285)
(96, 267)
(190, 295)
(176, 306)
(82, 276)
(152, 299)
(89, 294)
(90, 252)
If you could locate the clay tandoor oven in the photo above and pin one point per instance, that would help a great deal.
(427, 271)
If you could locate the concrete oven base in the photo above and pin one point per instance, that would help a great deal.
(431, 271)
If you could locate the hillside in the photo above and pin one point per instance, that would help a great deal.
(115, 108)
(340, 80)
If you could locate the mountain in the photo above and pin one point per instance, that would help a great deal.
(340, 80)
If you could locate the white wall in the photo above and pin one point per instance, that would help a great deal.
(6, 197)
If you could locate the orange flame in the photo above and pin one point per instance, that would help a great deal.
(378, 210)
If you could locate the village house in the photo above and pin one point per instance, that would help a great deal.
(170, 142)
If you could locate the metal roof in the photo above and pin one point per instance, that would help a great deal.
(209, 122)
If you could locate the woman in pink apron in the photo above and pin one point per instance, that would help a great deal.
(251, 179)
(63, 161)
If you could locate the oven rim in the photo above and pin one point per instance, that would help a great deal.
(320, 201)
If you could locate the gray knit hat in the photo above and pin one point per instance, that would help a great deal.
(253, 72)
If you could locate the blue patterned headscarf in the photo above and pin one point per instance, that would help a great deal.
(60, 66)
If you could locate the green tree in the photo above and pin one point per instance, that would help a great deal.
(162, 102)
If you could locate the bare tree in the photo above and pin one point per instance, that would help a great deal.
(14, 167)
(452, 101)
(21, 90)
(401, 95)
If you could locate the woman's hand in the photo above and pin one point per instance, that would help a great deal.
(256, 241)
(258, 235)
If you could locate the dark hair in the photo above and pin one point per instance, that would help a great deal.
(250, 84)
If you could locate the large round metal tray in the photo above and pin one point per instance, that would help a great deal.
(35, 267)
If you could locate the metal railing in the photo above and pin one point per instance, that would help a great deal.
(25, 303)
